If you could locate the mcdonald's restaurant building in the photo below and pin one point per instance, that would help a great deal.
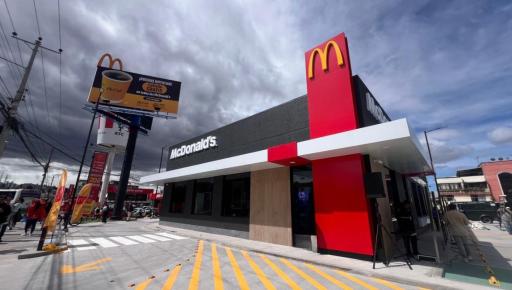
(310, 173)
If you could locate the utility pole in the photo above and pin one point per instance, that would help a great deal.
(13, 108)
(45, 168)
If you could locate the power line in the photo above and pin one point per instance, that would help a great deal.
(60, 69)
(37, 19)
(44, 88)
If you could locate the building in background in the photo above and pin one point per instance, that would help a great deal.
(490, 181)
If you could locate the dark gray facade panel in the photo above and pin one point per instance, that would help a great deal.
(282, 124)
(364, 117)
(215, 219)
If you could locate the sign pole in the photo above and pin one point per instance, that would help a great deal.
(73, 195)
(127, 165)
(106, 178)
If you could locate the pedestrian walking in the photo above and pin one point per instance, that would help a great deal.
(35, 212)
(407, 229)
(15, 213)
(104, 213)
(499, 214)
(507, 219)
(5, 211)
(458, 225)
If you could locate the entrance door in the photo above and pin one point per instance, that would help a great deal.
(303, 211)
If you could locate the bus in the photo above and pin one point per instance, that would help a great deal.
(15, 194)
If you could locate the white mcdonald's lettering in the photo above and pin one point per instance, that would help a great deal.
(203, 144)
(324, 54)
(375, 109)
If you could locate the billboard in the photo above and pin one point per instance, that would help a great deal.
(99, 160)
(112, 133)
(131, 91)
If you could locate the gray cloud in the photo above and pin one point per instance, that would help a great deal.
(434, 63)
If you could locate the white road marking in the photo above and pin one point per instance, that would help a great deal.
(85, 248)
(158, 238)
(171, 236)
(141, 239)
(123, 240)
(78, 242)
(104, 242)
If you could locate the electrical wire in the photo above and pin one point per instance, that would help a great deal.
(12, 71)
(44, 88)
(37, 18)
(60, 70)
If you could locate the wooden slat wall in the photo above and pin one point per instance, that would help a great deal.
(270, 216)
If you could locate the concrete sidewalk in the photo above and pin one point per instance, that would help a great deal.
(423, 273)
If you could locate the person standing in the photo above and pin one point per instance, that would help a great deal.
(5, 211)
(407, 229)
(15, 213)
(35, 212)
(458, 225)
(507, 219)
(104, 213)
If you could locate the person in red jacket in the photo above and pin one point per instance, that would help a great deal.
(35, 212)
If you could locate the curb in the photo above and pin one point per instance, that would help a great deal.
(42, 253)
(457, 284)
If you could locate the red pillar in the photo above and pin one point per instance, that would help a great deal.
(341, 209)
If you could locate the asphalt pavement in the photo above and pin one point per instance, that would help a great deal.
(138, 255)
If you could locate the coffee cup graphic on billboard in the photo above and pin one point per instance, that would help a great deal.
(124, 91)
(114, 85)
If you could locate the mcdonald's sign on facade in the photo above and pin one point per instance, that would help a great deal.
(323, 54)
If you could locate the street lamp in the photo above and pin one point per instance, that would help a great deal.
(431, 161)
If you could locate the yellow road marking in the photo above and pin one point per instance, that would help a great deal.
(328, 277)
(280, 273)
(68, 269)
(217, 274)
(194, 279)
(258, 271)
(238, 273)
(144, 284)
(303, 275)
(172, 278)
(387, 284)
(356, 280)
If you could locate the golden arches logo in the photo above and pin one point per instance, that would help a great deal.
(323, 54)
(111, 61)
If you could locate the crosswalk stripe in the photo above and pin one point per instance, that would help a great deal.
(280, 273)
(104, 242)
(303, 275)
(171, 236)
(123, 240)
(86, 248)
(328, 277)
(141, 239)
(387, 284)
(172, 278)
(258, 271)
(158, 238)
(143, 285)
(78, 242)
(238, 273)
(217, 274)
(356, 280)
(194, 279)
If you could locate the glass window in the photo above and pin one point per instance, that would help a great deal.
(474, 197)
(203, 192)
(235, 197)
(178, 197)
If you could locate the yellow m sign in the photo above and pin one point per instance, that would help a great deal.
(323, 54)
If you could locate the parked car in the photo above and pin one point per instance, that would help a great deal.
(485, 212)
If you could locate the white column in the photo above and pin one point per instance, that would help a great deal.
(106, 177)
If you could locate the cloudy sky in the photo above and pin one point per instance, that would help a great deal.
(439, 63)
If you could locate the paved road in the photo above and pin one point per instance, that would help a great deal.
(134, 255)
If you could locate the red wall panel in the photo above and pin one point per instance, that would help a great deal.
(341, 209)
(331, 100)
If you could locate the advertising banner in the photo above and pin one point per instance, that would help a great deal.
(134, 91)
(51, 220)
(81, 200)
(99, 160)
